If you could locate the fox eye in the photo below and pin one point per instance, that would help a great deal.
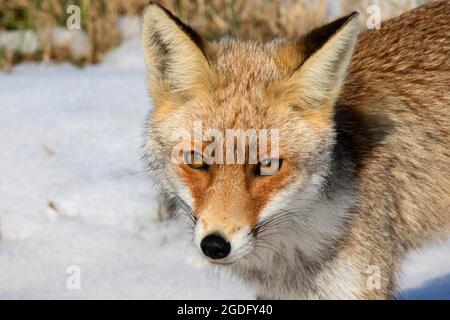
(269, 167)
(195, 160)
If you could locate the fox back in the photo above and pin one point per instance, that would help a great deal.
(361, 151)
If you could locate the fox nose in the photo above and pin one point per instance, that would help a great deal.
(215, 246)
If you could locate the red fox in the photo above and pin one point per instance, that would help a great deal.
(362, 164)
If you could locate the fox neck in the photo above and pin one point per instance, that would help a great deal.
(301, 254)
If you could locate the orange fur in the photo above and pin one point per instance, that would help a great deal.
(364, 137)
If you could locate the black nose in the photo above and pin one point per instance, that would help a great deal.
(215, 246)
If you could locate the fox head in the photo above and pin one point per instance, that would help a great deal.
(289, 87)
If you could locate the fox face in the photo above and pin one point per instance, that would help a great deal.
(281, 95)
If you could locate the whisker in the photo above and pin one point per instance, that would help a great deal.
(186, 208)
(126, 175)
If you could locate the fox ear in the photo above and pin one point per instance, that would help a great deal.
(324, 58)
(175, 54)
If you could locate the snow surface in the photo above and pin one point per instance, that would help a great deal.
(70, 142)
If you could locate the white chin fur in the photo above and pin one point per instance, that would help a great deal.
(241, 244)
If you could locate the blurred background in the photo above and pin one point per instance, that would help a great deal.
(78, 213)
(35, 29)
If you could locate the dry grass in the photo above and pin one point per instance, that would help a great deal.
(389, 8)
(260, 19)
(98, 20)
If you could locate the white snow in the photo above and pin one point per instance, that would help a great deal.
(25, 42)
(30, 41)
(70, 142)
(75, 41)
